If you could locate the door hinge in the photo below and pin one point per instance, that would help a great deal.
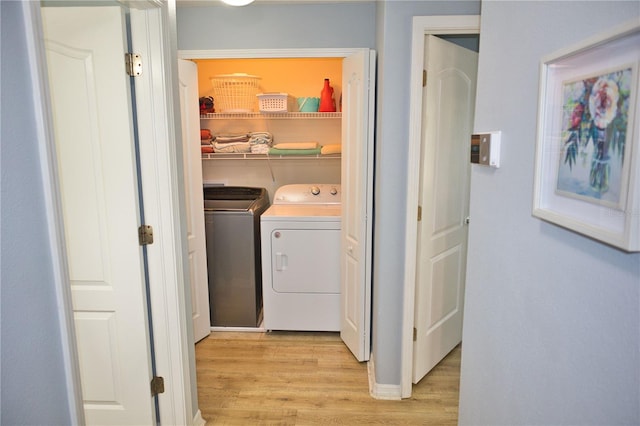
(157, 385)
(415, 334)
(133, 62)
(419, 213)
(424, 78)
(145, 235)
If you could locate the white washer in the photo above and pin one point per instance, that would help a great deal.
(300, 239)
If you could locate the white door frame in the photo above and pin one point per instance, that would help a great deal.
(321, 53)
(161, 171)
(422, 25)
(267, 53)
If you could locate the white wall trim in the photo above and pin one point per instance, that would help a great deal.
(386, 392)
(266, 53)
(198, 420)
(380, 391)
(53, 209)
(160, 163)
(422, 25)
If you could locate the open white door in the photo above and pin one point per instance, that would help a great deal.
(188, 80)
(97, 168)
(357, 200)
(448, 105)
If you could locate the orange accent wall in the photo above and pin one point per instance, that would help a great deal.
(296, 76)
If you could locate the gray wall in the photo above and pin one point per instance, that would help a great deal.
(33, 389)
(276, 26)
(392, 134)
(552, 323)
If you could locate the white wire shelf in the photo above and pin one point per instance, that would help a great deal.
(270, 115)
(249, 156)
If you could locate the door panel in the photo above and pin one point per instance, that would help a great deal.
(188, 84)
(448, 108)
(445, 276)
(97, 168)
(357, 191)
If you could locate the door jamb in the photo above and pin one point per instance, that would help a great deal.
(422, 25)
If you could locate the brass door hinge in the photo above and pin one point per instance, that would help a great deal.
(157, 385)
(415, 334)
(145, 235)
(424, 78)
(133, 62)
(419, 213)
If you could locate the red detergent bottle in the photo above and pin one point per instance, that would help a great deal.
(327, 101)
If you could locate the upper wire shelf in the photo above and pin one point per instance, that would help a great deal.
(270, 115)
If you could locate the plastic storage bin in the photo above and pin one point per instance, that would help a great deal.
(273, 102)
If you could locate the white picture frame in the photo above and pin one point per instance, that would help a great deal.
(587, 150)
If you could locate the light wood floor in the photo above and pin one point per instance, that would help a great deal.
(299, 378)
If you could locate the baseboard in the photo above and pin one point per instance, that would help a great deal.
(381, 391)
(198, 420)
(239, 329)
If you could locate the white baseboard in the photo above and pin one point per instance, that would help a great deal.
(381, 391)
(198, 420)
(239, 329)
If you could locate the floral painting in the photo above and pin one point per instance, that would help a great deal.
(594, 134)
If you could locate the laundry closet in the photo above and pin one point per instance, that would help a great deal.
(345, 172)
(297, 77)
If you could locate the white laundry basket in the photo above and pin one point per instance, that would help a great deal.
(235, 92)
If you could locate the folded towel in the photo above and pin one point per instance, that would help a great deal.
(206, 149)
(205, 134)
(260, 149)
(297, 145)
(277, 151)
(236, 147)
(242, 143)
(334, 148)
(206, 141)
(232, 138)
(264, 138)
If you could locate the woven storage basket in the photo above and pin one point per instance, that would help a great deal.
(235, 92)
(273, 102)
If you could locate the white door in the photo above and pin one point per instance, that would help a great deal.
(357, 201)
(188, 76)
(448, 110)
(97, 169)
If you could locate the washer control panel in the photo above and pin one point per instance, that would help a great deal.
(321, 193)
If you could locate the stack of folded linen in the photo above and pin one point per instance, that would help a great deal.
(260, 142)
(232, 143)
(295, 148)
(205, 141)
(255, 142)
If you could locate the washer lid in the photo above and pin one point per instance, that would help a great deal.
(228, 205)
(233, 193)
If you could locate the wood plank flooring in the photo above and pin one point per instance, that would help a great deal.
(300, 378)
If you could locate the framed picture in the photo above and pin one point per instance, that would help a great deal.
(587, 153)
